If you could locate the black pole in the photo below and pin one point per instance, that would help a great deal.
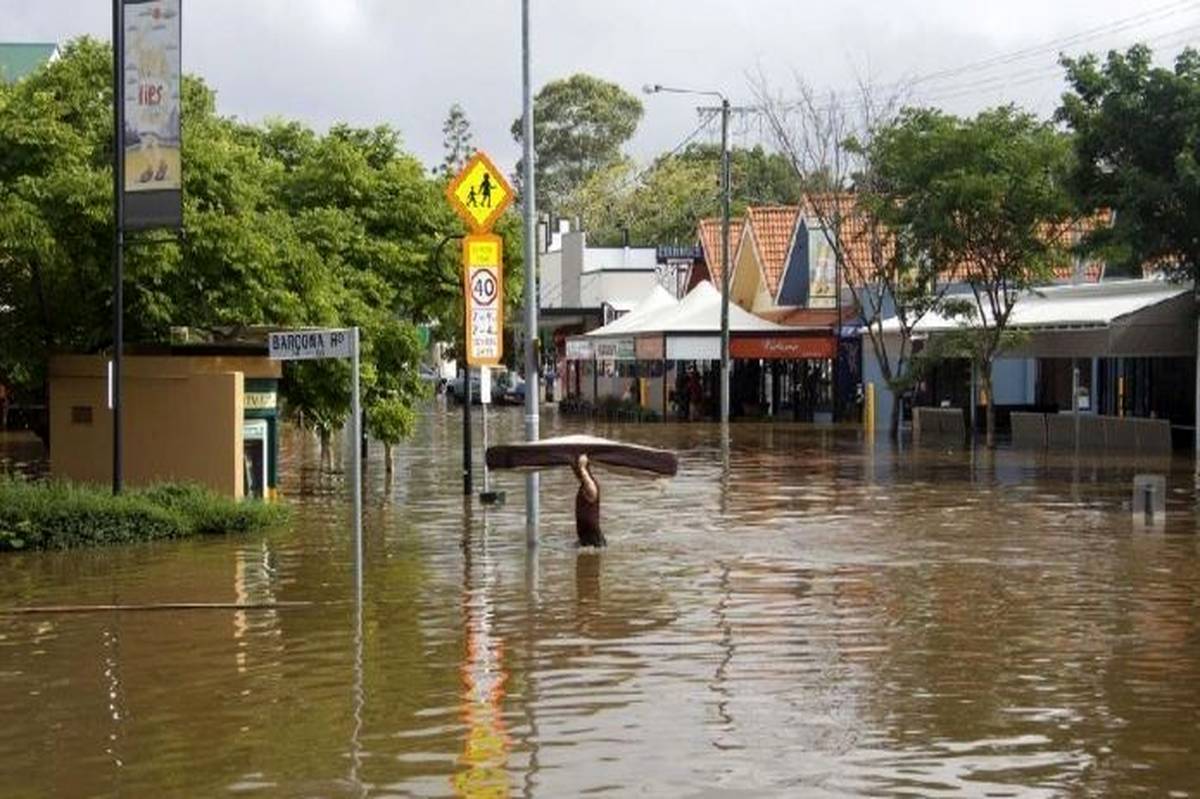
(467, 488)
(119, 235)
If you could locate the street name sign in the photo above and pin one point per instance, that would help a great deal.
(306, 345)
(479, 193)
(483, 285)
(311, 345)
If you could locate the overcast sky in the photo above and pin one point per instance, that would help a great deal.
(405, 61)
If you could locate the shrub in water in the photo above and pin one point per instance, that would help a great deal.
(61, 515)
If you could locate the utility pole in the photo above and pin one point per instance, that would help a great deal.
(531, 277)
(726, 190)
(118, 237)
(726, 267)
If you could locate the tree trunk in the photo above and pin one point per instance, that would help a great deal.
(894, 423)
(326, 450)
(985, 375)
(389, 467)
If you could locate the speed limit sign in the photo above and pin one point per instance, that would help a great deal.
(483, 287)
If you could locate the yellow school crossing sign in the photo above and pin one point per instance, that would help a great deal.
(480, 193)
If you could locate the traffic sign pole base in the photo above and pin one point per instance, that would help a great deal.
(492, 497)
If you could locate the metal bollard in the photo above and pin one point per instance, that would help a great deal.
(1149, 500)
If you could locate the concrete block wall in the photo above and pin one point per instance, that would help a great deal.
(1109, 434)
(939, 426)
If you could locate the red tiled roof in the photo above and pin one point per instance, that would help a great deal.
(773, 227)
(710, 243)
(860, 239)
(807, 317)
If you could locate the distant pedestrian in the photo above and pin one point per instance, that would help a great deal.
(695, 395)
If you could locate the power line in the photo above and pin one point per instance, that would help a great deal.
(1116, 26)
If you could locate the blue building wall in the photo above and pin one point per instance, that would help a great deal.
(794, 290)
(1014, 381)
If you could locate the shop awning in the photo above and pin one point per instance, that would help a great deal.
(690, 329)
(1118, 318)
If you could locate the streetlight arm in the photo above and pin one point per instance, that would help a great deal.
(658, 88)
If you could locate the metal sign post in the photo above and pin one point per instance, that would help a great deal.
(480, 194)
(485, 399)
(312, 345)
(147, 154)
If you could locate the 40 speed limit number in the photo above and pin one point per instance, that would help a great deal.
(483, 285)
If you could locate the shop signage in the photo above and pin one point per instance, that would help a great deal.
(615, 349)
(693, 348)
(649, 348)
(580, 349)
(783, 347)
(260, 400)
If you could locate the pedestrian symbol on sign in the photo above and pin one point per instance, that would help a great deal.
(479, 193)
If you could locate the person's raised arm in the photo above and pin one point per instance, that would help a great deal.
(590, 489)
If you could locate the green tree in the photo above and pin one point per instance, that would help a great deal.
(580, 124)
(663, 203)
(283, 227)
(396, 349)
(456, 141)
(983, 199)
(849, 156)
(1137, 145)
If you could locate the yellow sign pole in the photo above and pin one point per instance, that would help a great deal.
(869, 409)
(483, 285)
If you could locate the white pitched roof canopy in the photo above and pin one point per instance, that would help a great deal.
(700, 312)
(654, 304)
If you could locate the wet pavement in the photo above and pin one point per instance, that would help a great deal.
(798, 613)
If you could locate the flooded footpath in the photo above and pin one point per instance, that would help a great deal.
(798, 613)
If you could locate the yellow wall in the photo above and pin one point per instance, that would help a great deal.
(747, 278)
(182, 420)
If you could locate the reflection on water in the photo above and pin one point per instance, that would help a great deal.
(487, 744)
(798, 613)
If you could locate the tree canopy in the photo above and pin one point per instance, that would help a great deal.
(984, 200)
(284, 226)
(580, 124)
(663, 203)
(1137, 145)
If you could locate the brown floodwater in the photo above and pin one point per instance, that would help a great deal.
(798, 613)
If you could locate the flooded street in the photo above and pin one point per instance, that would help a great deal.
(797, 614)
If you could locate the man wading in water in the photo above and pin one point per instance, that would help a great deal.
(587, 505)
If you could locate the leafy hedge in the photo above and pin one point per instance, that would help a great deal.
(59, 515)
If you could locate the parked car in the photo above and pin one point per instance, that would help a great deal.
(513, 392)
(455, 390)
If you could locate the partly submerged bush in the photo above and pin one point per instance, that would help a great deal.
(59, 515)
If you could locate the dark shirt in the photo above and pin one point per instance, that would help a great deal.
(587, 519)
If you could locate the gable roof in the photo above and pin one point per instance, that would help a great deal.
(859, 238)
(658, 302)
(700, 312)
(18, 59)
(773, 228)
(710, 243)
